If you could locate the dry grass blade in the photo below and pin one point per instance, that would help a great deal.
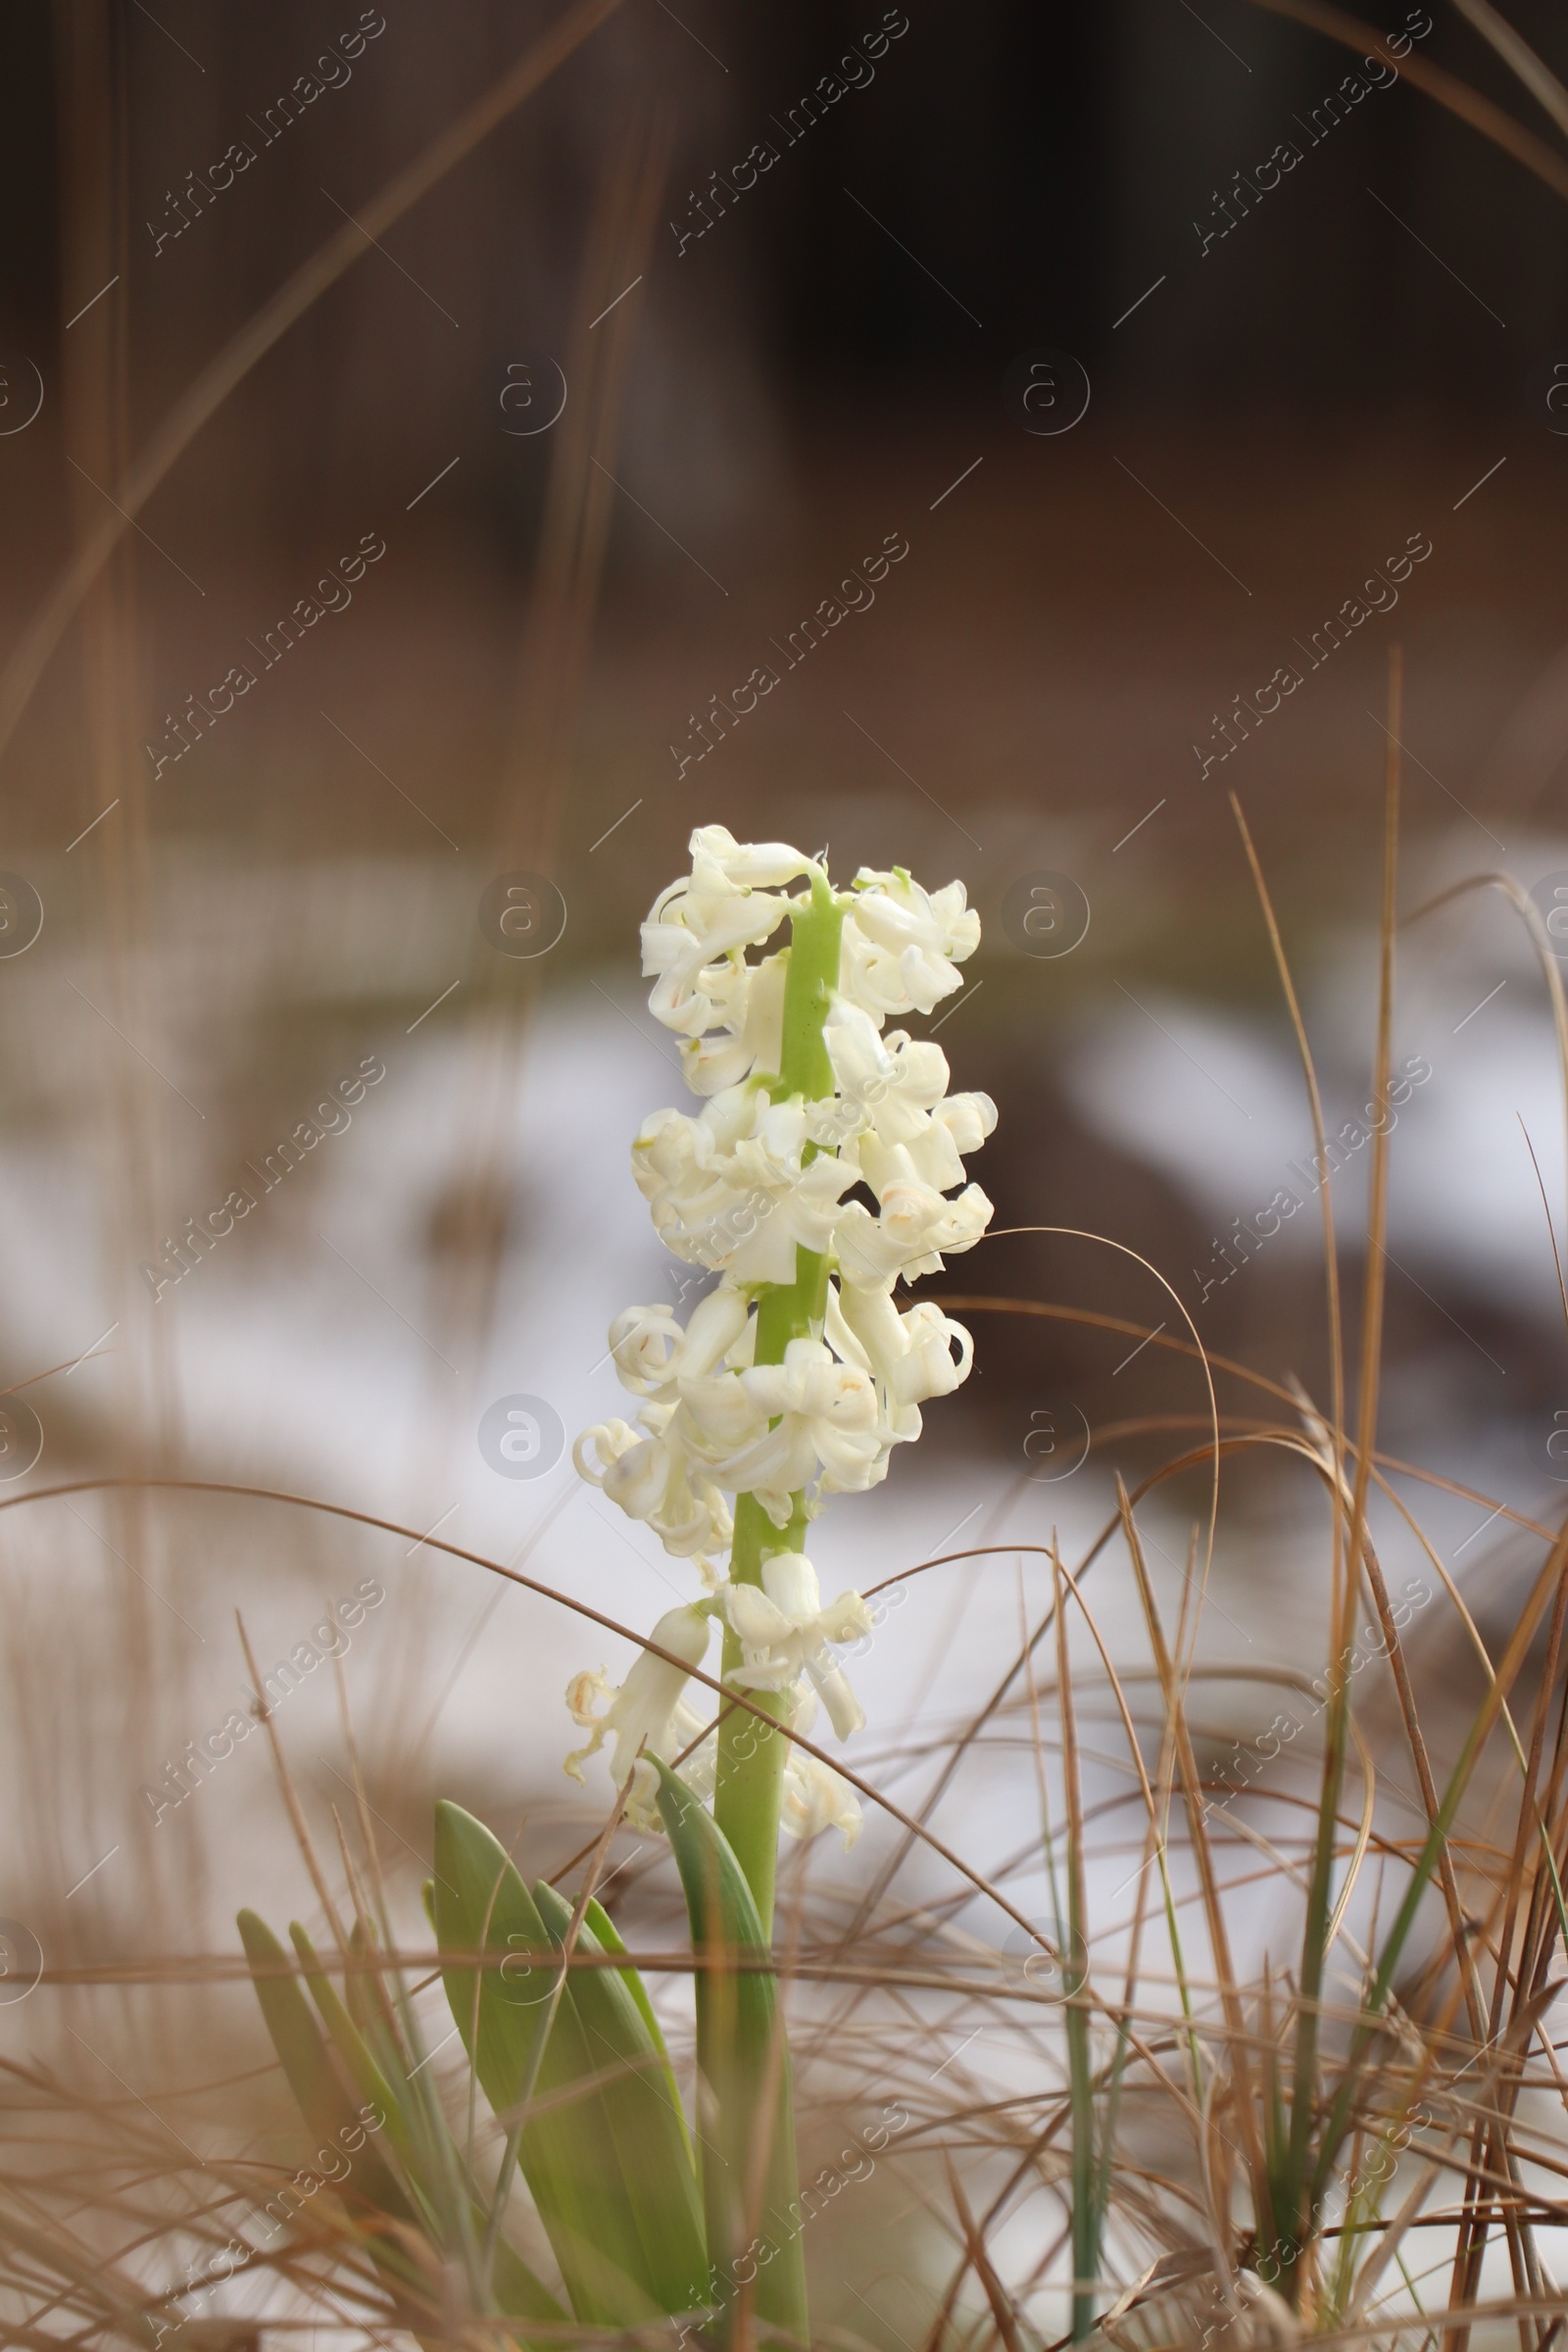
(1449, 92)
(290, 1796)
(1203, 1853)
(1001, 2311)
(222, 375)
(1516, 52)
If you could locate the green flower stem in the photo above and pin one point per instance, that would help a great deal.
(751, 1758)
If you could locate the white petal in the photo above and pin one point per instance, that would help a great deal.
(845, 1711)
(755, 1618)
(765, 863)
(840, 1333)
(846, 1618)
(643, 1340)
(644, 1708)
(791, 1583)
(817, 1799)
(968, 1118)
(716, 1323)
(774, 1674)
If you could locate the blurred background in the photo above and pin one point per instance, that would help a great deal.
(987, 339)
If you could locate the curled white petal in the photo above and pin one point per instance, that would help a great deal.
(609, 1440)
(642, 1712)
(643, 1343)
(758, 1623)
(845, 1618)
(651, 1476)
(912, 1353)
(968, 1118)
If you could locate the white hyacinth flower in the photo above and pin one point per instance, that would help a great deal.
(916, 1225)
(746, 1025)
(726, 903)
(911, 1355)
(651, 1479)
(784, 1633)
(645, 1713)
(816, 1796)
(652, 1352)
(732, 1190)
(903, 945)
(812, 1418)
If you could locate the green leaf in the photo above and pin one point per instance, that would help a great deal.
(599, 1921)
(418, 2130)
(330, 2113)
(568, 2153)
(519, 2292)
(646, 2121)
(350, 2043)
(748, 2175)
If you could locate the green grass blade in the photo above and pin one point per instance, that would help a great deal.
(754, 2223)
(567, 2154)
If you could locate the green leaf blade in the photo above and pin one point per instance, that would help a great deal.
(307, 2062)
(567, 2153)
(646, 2124)
(754, 2223)
(349, 2042)
(600, 1923)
